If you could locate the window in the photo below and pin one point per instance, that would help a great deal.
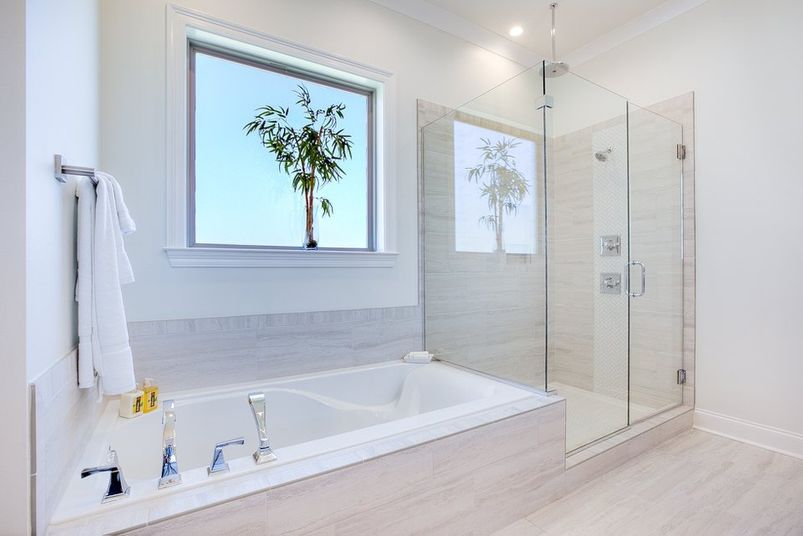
(494, 210)
(238, 195)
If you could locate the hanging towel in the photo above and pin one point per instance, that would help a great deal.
(85, 191)
(103, 267)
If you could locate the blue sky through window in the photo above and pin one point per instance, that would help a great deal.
(241, 195)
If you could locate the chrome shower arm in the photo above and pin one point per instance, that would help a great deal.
(552, 32)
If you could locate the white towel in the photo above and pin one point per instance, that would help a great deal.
(85, 191)
(103, 267)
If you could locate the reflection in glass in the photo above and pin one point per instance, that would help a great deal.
(494, 190)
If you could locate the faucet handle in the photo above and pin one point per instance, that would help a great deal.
(118, 488)
(219, 464)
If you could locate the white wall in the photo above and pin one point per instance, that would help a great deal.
(426, 63)
(14, 506)
(63, 106)
(743, 62)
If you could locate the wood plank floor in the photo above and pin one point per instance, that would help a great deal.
(695, 484)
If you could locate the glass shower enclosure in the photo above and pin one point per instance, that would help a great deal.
(552, 252)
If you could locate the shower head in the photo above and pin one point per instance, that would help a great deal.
(554, 68)
(602, 156)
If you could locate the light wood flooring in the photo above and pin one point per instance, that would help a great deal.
(695, 484)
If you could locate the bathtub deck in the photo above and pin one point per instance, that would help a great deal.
(447, 486)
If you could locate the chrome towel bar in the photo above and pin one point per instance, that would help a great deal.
(63, 170)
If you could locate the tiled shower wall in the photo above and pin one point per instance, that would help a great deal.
(206, 352)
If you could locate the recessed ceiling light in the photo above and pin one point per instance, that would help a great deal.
(516, 31)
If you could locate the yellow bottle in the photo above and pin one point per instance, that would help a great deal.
(151, 398)
(131, 404)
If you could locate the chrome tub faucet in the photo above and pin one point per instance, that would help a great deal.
(118, 488)
(263, 454)
(170, 474)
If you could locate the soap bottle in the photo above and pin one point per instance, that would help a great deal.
(151, 398)
(132, 404)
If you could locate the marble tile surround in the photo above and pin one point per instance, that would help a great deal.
(63, 420)
(494, 468)
(204, 352)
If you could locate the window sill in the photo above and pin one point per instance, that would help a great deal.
(199, 257)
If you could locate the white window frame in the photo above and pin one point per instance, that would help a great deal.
(184, 26)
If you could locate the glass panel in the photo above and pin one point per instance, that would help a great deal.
(484, 210)
(656, 223)
(588, 248)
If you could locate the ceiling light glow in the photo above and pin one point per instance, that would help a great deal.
(516, 31)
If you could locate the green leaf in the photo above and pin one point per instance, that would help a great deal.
(309, 154)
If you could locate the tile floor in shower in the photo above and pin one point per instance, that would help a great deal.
(591, 416)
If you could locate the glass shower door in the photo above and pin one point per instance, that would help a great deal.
(588, 246)
(656, 263)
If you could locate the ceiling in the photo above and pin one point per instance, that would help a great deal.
(579, 22)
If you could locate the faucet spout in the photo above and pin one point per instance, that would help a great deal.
(170, 474)
(117, 488)
(263, 454)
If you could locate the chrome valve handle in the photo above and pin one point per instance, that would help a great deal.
(219, 464)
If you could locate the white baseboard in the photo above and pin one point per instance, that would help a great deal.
(768, 437)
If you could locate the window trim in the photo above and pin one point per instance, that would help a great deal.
(195, 47)
(185, 25)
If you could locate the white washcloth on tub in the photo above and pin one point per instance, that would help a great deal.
(103, 267)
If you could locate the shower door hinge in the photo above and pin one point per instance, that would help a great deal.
(545, 101)
(681, 376)
(681, 151)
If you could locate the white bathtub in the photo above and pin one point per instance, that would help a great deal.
(323, 420)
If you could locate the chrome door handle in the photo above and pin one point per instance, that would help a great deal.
(629, 279)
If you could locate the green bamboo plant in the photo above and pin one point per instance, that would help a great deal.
(311, 153)
(504, 186)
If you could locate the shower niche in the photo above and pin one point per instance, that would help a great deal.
(552, 215)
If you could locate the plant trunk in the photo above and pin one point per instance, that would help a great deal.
(309, 234)
(499, 227)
